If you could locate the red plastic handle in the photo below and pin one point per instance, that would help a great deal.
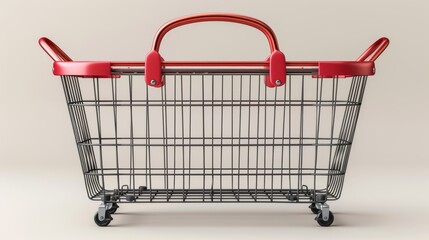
(374, 51)
(277, 61)
(55, 52)
(218, 17)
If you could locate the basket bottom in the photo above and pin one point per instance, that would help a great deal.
(214, 195)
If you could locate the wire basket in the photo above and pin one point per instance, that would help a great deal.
(259, 131)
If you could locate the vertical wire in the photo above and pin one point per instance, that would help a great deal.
(212, 77)
(115, 122)
(347, 128)
(316, 139)
(83, 156)
(95, 182)
(71, 98)
(174, 137)
(346, 116)
(74, 87)
(83, 122)
(71, 90)
(76, 118)
(332, 181)
(165, 136)
(290, 135)
(345, 123)
(283, 138)
(78, 114)
(132, 163)
(221, 138)
(232, 133)
(248, 132)
(148, 141)
(81, 117)
(183, 139)
(190, 131)
(239, 136)
(348, 122)
(333, 111)
(274, 139)
(265, 136)
(318, 114)
(97, 109)
(163, 123)
(96, 113)
(301, 135)
(146, 148)
(353, 119)
(351, 108)
(81, 112)
(204, 139)
(340, 153)
(358, 101)
(257, 138)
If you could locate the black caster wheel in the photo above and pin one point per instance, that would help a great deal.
(324, 223)
(113, 209)
(313, 208)
(105, 222)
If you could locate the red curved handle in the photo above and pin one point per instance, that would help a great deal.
(374, 51)
(218, 17)
(53, 50)
(277, 61)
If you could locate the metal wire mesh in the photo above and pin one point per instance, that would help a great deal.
(212, 137)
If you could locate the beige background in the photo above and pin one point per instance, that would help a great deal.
(41, 187)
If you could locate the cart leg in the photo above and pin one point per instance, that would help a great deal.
(102, 209)
(324, 209)
(102, 217)
(325, 217)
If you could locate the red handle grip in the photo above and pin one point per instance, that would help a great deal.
(218, 17)
(54, 51)
(277, 61)
(374, 51)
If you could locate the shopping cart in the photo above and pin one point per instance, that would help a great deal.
(231, 131)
